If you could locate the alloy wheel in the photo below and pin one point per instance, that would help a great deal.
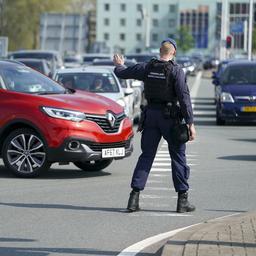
(26, 153)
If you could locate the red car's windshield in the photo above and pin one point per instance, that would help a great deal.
(23, 79)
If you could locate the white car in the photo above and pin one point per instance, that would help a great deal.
(98, 80)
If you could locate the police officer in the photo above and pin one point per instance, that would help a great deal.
(164, 85)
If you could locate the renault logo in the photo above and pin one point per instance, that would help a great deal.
(111, 119)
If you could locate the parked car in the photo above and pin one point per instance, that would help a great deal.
(109, 62)
(210, 62)
(141, 57)
(236, 99)
(74, 61)
(52, 57)
(39, 65)
(88, 58)
(97, 80)
(186, 65)
(41, 122)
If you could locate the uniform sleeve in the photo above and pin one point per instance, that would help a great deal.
(133, 72)
(183, 95)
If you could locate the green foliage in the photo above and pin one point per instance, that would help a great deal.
(21, 21)
(184, 39)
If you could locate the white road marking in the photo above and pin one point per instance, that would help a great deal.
(160, 170)
(160, 189)
(152, 214)
(134, 249)
(152, 196)
(140, 246)
(161, 164)
(155, 181)
(159, 175)
(162, 159)
(196, 85)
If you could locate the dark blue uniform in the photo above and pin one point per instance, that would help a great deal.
(157, 126)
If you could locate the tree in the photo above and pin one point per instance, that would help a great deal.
(21, 21)
(184, 39)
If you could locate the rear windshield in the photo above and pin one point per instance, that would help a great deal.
(23, 79)
(244, 74)
(92, 82)
(92, 58)
(33, 55)
(35, 65)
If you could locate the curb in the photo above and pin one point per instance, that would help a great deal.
(186, 242)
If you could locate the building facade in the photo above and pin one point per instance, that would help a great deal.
(139, 25)
(66, 33)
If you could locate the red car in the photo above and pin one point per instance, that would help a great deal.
(41, 123)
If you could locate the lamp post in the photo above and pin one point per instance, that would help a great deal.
(145, 15)
(224, 29)
(250, 31)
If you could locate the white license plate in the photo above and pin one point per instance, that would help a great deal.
(113, 152)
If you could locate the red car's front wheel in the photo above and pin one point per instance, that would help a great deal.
(24, 153)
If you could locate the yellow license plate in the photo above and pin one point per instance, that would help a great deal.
(249, 109)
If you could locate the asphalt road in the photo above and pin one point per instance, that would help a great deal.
(69, 212)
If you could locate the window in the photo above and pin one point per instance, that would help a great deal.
(106, 7)
(106, 36)
(139, 7)
(139, 22)
(122, 50)
(106, 21)
(155, 37)
(138, 50)
(171, 36)
(172, 8)
(122, 22)
(171, 23)
(138, 37)
(155, 22)
(123, 7)
(155, 7)
(122, 36)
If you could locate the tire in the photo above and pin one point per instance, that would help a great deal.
(219, 121)
(93, 166)
(25, 153)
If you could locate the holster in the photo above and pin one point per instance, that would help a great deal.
(142, 118)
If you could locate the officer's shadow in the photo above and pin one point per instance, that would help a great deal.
(79, 208)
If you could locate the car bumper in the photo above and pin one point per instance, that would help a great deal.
(86, 151)
(233, 112)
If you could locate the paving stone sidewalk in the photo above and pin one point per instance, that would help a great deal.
(230, 236)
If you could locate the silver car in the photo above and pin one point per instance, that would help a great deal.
(96, 80)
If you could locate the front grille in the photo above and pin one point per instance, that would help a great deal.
(245, 99)
(104, 123)
(99, 146)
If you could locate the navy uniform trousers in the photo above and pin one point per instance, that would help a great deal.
(156, 127)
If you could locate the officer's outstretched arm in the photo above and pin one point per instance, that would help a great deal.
(133, 72)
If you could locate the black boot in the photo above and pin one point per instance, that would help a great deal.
(183, 204)
(133, 203)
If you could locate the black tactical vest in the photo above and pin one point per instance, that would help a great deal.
(159, 82)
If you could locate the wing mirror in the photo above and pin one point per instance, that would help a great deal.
(216, 81)
(214, 75)
(128, 91)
